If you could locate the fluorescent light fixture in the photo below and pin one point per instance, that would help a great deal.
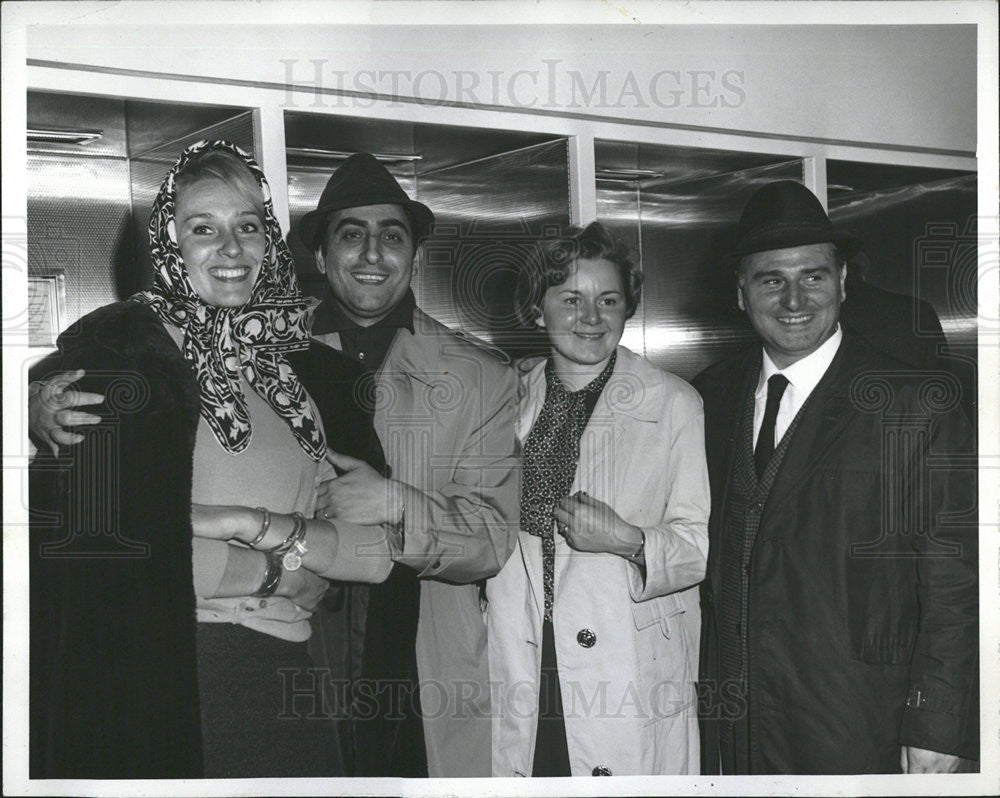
(51, 135)
(627, 175)
(341, 155)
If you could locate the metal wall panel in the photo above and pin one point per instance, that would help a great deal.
(88, 205)
(490, 215)
(921, 240)
(688, 318)
(78, 226)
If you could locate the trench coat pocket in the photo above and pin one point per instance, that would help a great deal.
(664, 658)
(663, 611)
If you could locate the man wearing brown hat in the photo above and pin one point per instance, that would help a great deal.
(444, 411)
(840, 611)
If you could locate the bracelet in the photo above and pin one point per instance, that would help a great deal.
(298, 523)
(265, 524)
(272, 576)
(291, 560)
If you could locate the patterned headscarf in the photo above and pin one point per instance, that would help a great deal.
(224, 342)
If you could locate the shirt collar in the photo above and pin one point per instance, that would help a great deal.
(595, 386)
(806, 373)
(329, 318)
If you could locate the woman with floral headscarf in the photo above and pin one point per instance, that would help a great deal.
(171, 589)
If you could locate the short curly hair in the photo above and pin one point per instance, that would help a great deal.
(551, 263)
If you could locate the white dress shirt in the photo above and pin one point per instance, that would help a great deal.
(803, 376)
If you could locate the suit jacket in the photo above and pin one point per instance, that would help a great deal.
(863, 599)
(445, 411)
(628, 696)
(114, 690)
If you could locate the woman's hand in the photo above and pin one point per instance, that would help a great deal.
(225, 522)
(590, 525)
(302, 587)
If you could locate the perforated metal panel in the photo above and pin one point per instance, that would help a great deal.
(88, 206)
(78, 226)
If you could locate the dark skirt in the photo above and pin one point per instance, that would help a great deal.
(551, 749)
(261, 707)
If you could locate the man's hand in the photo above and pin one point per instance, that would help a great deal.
(360, 495)
(920, 760)
(590, 525)
(50, 409)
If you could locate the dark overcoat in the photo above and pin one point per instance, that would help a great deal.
(113, 689)
(863, 606)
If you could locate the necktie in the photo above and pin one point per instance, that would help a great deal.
(765, 440)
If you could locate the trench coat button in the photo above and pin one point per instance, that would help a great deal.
(600, 770)
(586, 638)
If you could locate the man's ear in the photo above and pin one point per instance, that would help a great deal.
(320, 261)
(843, 281)
(739, 296)
(418, 257)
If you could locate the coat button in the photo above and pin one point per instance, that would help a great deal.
(586, 638)
(600, 770)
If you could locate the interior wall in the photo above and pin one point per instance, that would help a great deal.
(89, 205)
(78, 201)
(490, 216)
(912, 86)
(688, 318)
(921, 240)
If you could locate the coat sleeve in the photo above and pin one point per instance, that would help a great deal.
(466, 530)
(676, 548)
(942, 713)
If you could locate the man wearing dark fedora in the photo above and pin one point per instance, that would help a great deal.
(444, 411)
(840, 610)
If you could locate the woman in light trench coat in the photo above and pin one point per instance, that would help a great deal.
(594, 620)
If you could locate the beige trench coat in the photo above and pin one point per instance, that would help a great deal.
(445, 414)
(627, 648)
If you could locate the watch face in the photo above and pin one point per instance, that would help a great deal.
(291, 561)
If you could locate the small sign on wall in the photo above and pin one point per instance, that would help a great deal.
(46, 308)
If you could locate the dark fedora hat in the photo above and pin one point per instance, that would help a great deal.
(786, 214)
(359, 181)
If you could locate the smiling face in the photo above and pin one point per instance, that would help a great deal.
(792, 298)
(584, 318)
(368, 261)
(221, 240)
